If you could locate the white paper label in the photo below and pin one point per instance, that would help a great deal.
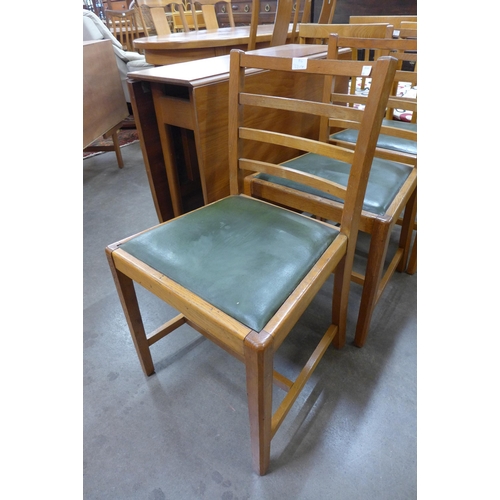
(366, 71)
(299, 63)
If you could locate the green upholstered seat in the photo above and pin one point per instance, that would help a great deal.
(384, 141)
(385, 180)
(241, 255)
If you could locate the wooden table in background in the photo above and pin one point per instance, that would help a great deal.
(181, 113)
(201, 44)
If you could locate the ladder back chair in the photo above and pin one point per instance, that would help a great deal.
(398, 139)
(391, 190)
(242, 271)
(396, 135)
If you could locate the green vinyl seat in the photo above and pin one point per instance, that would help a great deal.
(385, 141)
(384, 183)
(203, 252)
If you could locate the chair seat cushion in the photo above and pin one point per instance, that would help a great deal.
(385, 180)
(384, 141)
(241, 255)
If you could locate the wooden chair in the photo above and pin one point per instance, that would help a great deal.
(242, 271)
(398, 139)
(210, 15)
(157, 12)
(396, 136)
(391, 190)
(124, 26)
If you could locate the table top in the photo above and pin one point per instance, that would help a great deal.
(193, 73)
(205, 38)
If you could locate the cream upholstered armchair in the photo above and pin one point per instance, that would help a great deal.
(95, 29)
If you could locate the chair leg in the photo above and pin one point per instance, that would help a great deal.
(130, 305)
(412, 263)
(407, 230)
(259, 375)
(118, 151)
(341, 287)
(374, 267)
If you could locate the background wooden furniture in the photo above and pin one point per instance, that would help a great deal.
(157, 13)
(320, 33)
(201, 44)
(327, 11)
(242, 12)
(346, 8)
(244, 240)
(104, 105)
(181, 114)
(124, 27)
(208, 7)
(391, 19)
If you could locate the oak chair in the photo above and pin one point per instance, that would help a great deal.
(242, 271)
(209, 13)
(123, 26)
(396, 136)
(398, 139)
(391, 191)
(157, 14)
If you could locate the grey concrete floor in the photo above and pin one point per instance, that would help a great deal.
(183, 433)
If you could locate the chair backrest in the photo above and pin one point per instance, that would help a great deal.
(210, 14)
(320, 33)
(407, 30)
(124, 26)
(400, 49)
(157, 10)
(327, 11)
(243, 100)
(394, 20)
(282, 20)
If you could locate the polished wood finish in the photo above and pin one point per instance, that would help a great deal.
(189, 100)
(104, 105)
(258, 348)
(202, 44)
